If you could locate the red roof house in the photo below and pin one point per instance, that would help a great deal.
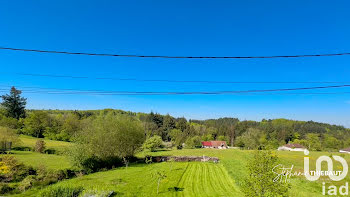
(214, 144)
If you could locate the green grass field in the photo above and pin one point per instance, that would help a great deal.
(36, 159)
(191, 178)
(50, 161)
(28, 141)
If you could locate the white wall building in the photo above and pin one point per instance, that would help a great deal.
(292, 147)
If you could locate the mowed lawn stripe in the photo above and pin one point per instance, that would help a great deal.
(206, 179)
(216, 178)
(226, 181)
(182, 181)
(198, 188)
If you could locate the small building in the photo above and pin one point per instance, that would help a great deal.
(214, 144)
(345, 150)
(292, 147)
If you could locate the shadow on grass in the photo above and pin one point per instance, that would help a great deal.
(162, 150)
(175, 189)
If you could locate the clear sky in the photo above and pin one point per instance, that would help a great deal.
(181, 28)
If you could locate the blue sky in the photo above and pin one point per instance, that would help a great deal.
(181, 28)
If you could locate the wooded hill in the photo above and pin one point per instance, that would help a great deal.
(266, 134)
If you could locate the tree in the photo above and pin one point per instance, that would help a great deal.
(71, 125)
(35, 124)
(169, 123)
(260, 181)
(331, 143)
(181, 124)
(156, 118)
(14, 104)
(176, 137)
(250, 139)
(159, 175)
(232, 130)
(39, 146)
(193, 142)
(107, 136)
(152, 143)
(313, 141)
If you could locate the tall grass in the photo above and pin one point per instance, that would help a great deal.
(61, 191)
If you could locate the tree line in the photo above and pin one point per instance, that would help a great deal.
(66, 125)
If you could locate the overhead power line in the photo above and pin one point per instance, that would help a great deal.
(175, 57)
(181, 81)
(127, 94)
(104, 92)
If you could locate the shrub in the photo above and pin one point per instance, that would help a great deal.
(61, 191)
(94, 164)
(152, 143)
(194, 142)
(106, 138)
(17, 171)
(39, 146)
(47, 177)
(97, 192)
(50, 151)
(23, 148)
(3, 168)
(5, 188)
(260, 179)
(27, 183)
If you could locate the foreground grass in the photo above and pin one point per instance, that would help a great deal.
(235, 161)
(189, 179)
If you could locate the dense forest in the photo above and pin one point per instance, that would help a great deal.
(267, 134)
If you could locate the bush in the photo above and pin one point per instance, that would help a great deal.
(50, 151)
(17, 171)
(22, 148)
(61, 191)
(260, 179)
(152, 143)
(194, 142)
(93, 164)
(106, 138)
(39, 146)
(97, 192)
(27, 183)
(5, 188)
(47, 177)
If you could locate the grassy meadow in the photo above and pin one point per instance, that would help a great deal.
(183, 178)
(28, 141)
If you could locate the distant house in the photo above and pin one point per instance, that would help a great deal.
(292, 147)
(345, 150)
(214, 144)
